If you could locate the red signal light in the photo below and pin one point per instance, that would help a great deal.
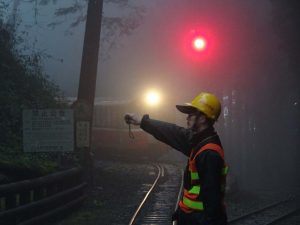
(199, 43)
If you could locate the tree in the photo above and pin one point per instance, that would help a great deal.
(23, 85)
(23, 82)
(113, 27)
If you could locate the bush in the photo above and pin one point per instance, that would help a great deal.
(23, 85)
(23, 166)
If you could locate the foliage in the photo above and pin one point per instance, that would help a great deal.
(3, 7)
(23, 85)
(113, 27)
(20, 166)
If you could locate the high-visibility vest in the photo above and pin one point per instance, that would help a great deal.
(191, 198)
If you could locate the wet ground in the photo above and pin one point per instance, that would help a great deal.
(120, 186)
(117, 193)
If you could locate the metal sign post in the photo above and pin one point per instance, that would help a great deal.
(84, 105)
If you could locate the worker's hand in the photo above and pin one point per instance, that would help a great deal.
(133, 118)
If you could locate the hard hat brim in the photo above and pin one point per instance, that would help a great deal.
(187, 108)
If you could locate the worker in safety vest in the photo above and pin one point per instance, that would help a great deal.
(202, 201)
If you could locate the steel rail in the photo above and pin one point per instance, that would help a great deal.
(279, 218)
(146, 196)
(236, 219)
(179, 195)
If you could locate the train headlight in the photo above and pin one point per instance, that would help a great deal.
(152, 98)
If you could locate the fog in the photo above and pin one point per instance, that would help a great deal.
(247, 63)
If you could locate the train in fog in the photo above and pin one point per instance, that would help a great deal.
(109, 128)
(111, 135)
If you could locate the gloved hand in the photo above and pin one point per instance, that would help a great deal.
(133, 118)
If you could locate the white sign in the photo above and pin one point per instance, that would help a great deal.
(49, 130)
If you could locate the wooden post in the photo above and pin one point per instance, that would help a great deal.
(86, 93)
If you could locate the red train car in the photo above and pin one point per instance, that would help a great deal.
(110, 134)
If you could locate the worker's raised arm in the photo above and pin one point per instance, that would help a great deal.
(175, 136)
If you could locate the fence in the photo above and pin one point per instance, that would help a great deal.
(41, 200)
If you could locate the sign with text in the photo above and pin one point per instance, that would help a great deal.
(48, 130)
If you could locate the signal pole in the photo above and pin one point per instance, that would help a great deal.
(83, 107)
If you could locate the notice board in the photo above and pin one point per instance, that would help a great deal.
(48, 130)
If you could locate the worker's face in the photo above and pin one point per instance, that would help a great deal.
(191, 120)
(195, 120)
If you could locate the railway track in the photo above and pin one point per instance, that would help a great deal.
(270, 214)
(160, 200)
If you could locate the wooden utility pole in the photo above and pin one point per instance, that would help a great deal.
(83, 107)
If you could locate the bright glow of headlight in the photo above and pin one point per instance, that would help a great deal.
(152, 98)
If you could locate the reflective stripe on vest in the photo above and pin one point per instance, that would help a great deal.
(195, 190)
(213, 147)
(194, 176)
(225, 170)
(189, 199)
(192, 204)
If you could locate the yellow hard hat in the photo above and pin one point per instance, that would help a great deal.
(206, 103)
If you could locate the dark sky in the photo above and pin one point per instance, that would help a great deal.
(242, 47)
(239, 32)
